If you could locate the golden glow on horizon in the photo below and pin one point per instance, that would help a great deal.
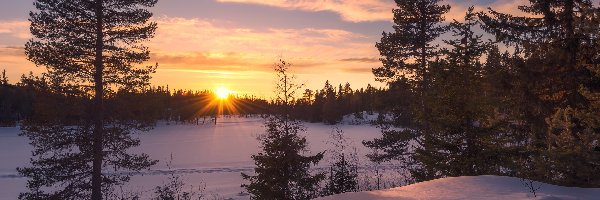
(222, 93)
(194, 53)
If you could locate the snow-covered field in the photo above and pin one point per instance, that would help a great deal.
(213, 156)
(205, 155)
(474, 187)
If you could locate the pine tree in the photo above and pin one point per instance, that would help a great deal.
(406, 51)
(459, 138)
(282, 169)
(317, 107)
(90, 49)
(346, 100)
(10, 98)
(343, 170)
(551, 42)
(406, 56)
(4, 79)
(307, 96)
(555, 45)
(573, 155)
(331, 107)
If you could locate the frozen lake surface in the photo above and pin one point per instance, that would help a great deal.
(204, 155)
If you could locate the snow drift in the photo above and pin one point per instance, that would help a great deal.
(473, 187)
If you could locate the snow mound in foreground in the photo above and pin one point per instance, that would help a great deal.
(473, 187)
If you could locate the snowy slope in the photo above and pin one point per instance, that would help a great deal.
(473, 187)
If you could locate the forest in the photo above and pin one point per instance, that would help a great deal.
(491, 93)
(20, 101)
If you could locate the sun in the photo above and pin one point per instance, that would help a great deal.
(222, 93)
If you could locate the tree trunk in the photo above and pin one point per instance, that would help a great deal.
(98, 107)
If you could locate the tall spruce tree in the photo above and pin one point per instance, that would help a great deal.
(282, 167)
(89, 48)
(460, 139)
(406, 57)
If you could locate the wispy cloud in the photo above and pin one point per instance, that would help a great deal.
(13, 51)
(203, 44)
(210, 51)
(459, 8)
(380, 10)
(203, 60)
(12, 56)
(18, 29)
(353, 11)
(364, 60)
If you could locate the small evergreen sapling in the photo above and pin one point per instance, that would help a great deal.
(343, 170)
(282, 169)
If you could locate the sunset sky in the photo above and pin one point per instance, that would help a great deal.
(205, 44)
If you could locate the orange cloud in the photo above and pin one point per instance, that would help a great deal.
(364, 60)
(353, 11)
(15, 28)
(14, 61)
(183, 34)
(202, 60)
(200, 54)
(198, 44)
(212, 53)
(12, 51)
(459, 8)
(510, 7)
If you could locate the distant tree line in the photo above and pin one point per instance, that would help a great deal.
(15, 102)
(21, 101)
(328, 105)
